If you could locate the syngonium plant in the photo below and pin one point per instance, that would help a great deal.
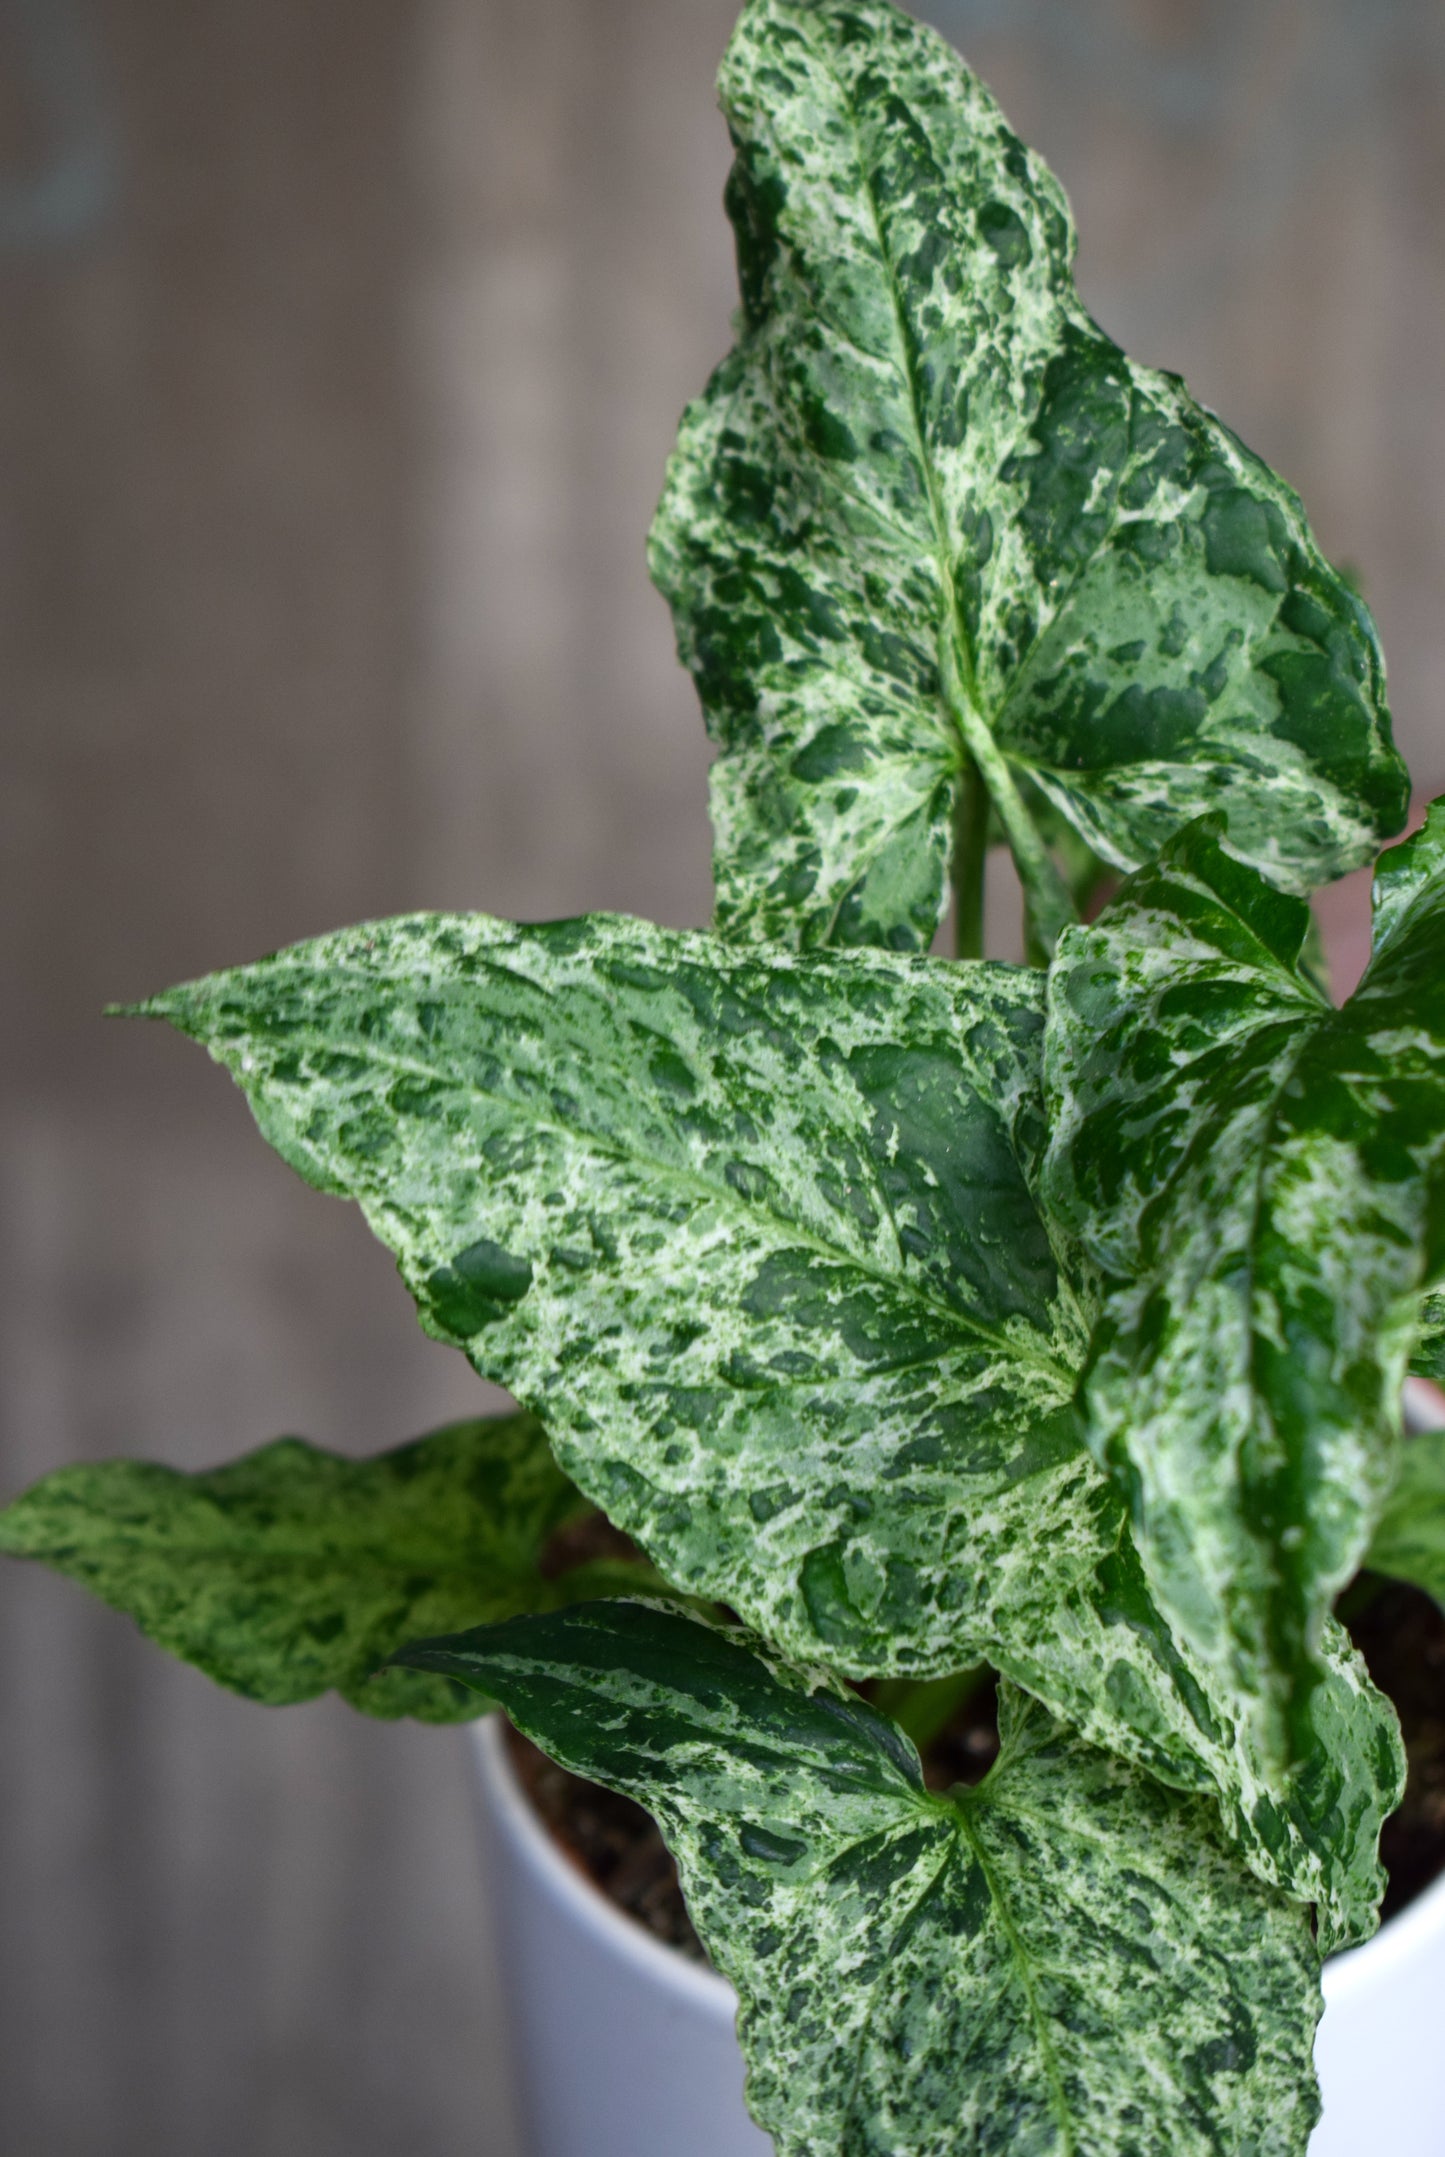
(913, 1316)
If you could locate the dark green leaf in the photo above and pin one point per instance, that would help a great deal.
(1261, 1173)
(757, 1236)
(926, 512)
(294, 1570)
(1064, 1962)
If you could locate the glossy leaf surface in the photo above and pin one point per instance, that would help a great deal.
(756, 1235)
(927, 513)
(294, 1570)
(1260, 1173)
(1065, 1960)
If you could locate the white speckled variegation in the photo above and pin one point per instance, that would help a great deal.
(757, 1235)
(756, 1229)
(926, 512)
(927, 1317)
(1261, 1173)
(1066, 1961)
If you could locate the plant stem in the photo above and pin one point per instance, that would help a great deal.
(924, 1707)
(970, 856)
(1050, 903)
(1036, 949)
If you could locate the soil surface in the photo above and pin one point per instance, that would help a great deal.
(1399, 1632)
(1401, 1635)
(589, 1537)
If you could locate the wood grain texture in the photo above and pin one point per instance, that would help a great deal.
(313, 452)
(329, 451)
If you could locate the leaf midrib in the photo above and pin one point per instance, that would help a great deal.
(947, 1853)
(720, 1194)
(974, 733)
(1023, 1963)
(905, 361)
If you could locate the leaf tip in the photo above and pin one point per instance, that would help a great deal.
(439, 1655)
(170, 1005)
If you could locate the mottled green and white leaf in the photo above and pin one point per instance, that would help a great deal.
(295, 1570)
(927, 514)
(1066, 1961)
(752, 1233)
(757, 1236)
(1112, 1665)
(1260, 1172)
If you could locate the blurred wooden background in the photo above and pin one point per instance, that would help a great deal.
(340, 349)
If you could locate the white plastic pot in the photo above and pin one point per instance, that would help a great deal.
(1381, 2064)
(1380, 2060)
(624, 2048)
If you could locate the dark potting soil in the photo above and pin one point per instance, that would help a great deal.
(1399, 1632)
(1401, 1635)
(589, 1537)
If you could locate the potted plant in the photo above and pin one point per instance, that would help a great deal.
(890, 1318)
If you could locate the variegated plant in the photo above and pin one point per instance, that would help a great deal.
(912, 1316)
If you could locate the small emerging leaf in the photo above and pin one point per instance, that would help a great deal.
(1065, 1962)
(1260, 1174)
(927, 513)
(293, 1570)
(1409, 1538)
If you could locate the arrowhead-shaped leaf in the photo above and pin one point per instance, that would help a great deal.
(293, 1570)
(757, 1236)
(752, 1233)
(1065, 1960)
(1261, 1173)
(928, 515)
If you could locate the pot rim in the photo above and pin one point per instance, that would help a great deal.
(1399, 1940)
